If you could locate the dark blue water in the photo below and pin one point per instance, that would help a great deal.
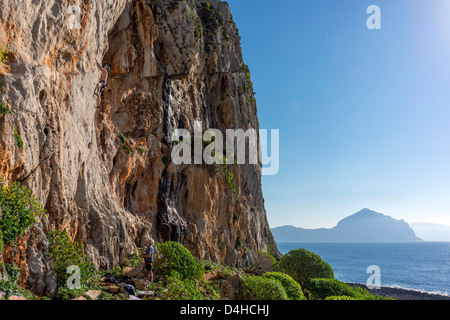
(422, 266)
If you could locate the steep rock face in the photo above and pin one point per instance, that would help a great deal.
(105, 175)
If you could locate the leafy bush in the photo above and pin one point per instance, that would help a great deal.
(181, 288)
(340, 298)
(261, 288)
(65, 253)
(108, 296)
(172, 256)
(65, 293)
(125, 144)
(134, 260)
(211, 18)
(210, 290)
(367, 295)
(210, 266)
(18, 139)
(10, 287)
(20, 210)
(2, 243)
(4, 53)
(3, 109)
(292, 287)
(121, 138)
(324, 288)
(13, 272)
(302, 265)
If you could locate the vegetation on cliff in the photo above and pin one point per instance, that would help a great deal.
(20, 210)
(180, 276)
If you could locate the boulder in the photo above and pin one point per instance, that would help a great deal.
(135, 272)
(16, 298)
(92, 294)
(141, 284)
(127, 270)
(80, 298)
(145, 293)
(111, 289)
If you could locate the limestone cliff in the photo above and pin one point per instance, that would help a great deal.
(105, 175)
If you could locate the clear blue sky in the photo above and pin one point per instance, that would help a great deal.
(364, 115)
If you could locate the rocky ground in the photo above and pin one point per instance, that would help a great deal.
(404, 294)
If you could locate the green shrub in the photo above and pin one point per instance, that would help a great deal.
(261, 288)
(2, 244)
(20, 210)
(121, 138)
(376, 297)
(134, 260)
(267, 255)
(292, 287)
(340, 298)
(125, 144)
(323, 288)
(18, 139)
(65, 293)
(108, 296)
(172, 256)
(210, 290)
(211, 18)
(10, 287)
(181, 288)
(3, 109)
(65, 253)
(13, 272)
(210, 266)
(302, 265)
(4, 53)
(367, 295)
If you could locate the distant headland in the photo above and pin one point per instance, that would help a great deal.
(364, 226)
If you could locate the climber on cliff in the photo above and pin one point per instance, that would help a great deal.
(148, 260)
(103, 83)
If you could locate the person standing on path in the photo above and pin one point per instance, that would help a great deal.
(148, 260)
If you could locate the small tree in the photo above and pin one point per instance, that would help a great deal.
(65, 253)
(172, 256)
(20, 210)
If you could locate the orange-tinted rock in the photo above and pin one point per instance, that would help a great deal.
(169, 67)
(16, 298)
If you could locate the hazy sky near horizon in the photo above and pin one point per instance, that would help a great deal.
(364, 115)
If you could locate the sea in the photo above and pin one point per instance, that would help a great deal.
(419, 266)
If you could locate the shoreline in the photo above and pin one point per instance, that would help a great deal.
(402, 293)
